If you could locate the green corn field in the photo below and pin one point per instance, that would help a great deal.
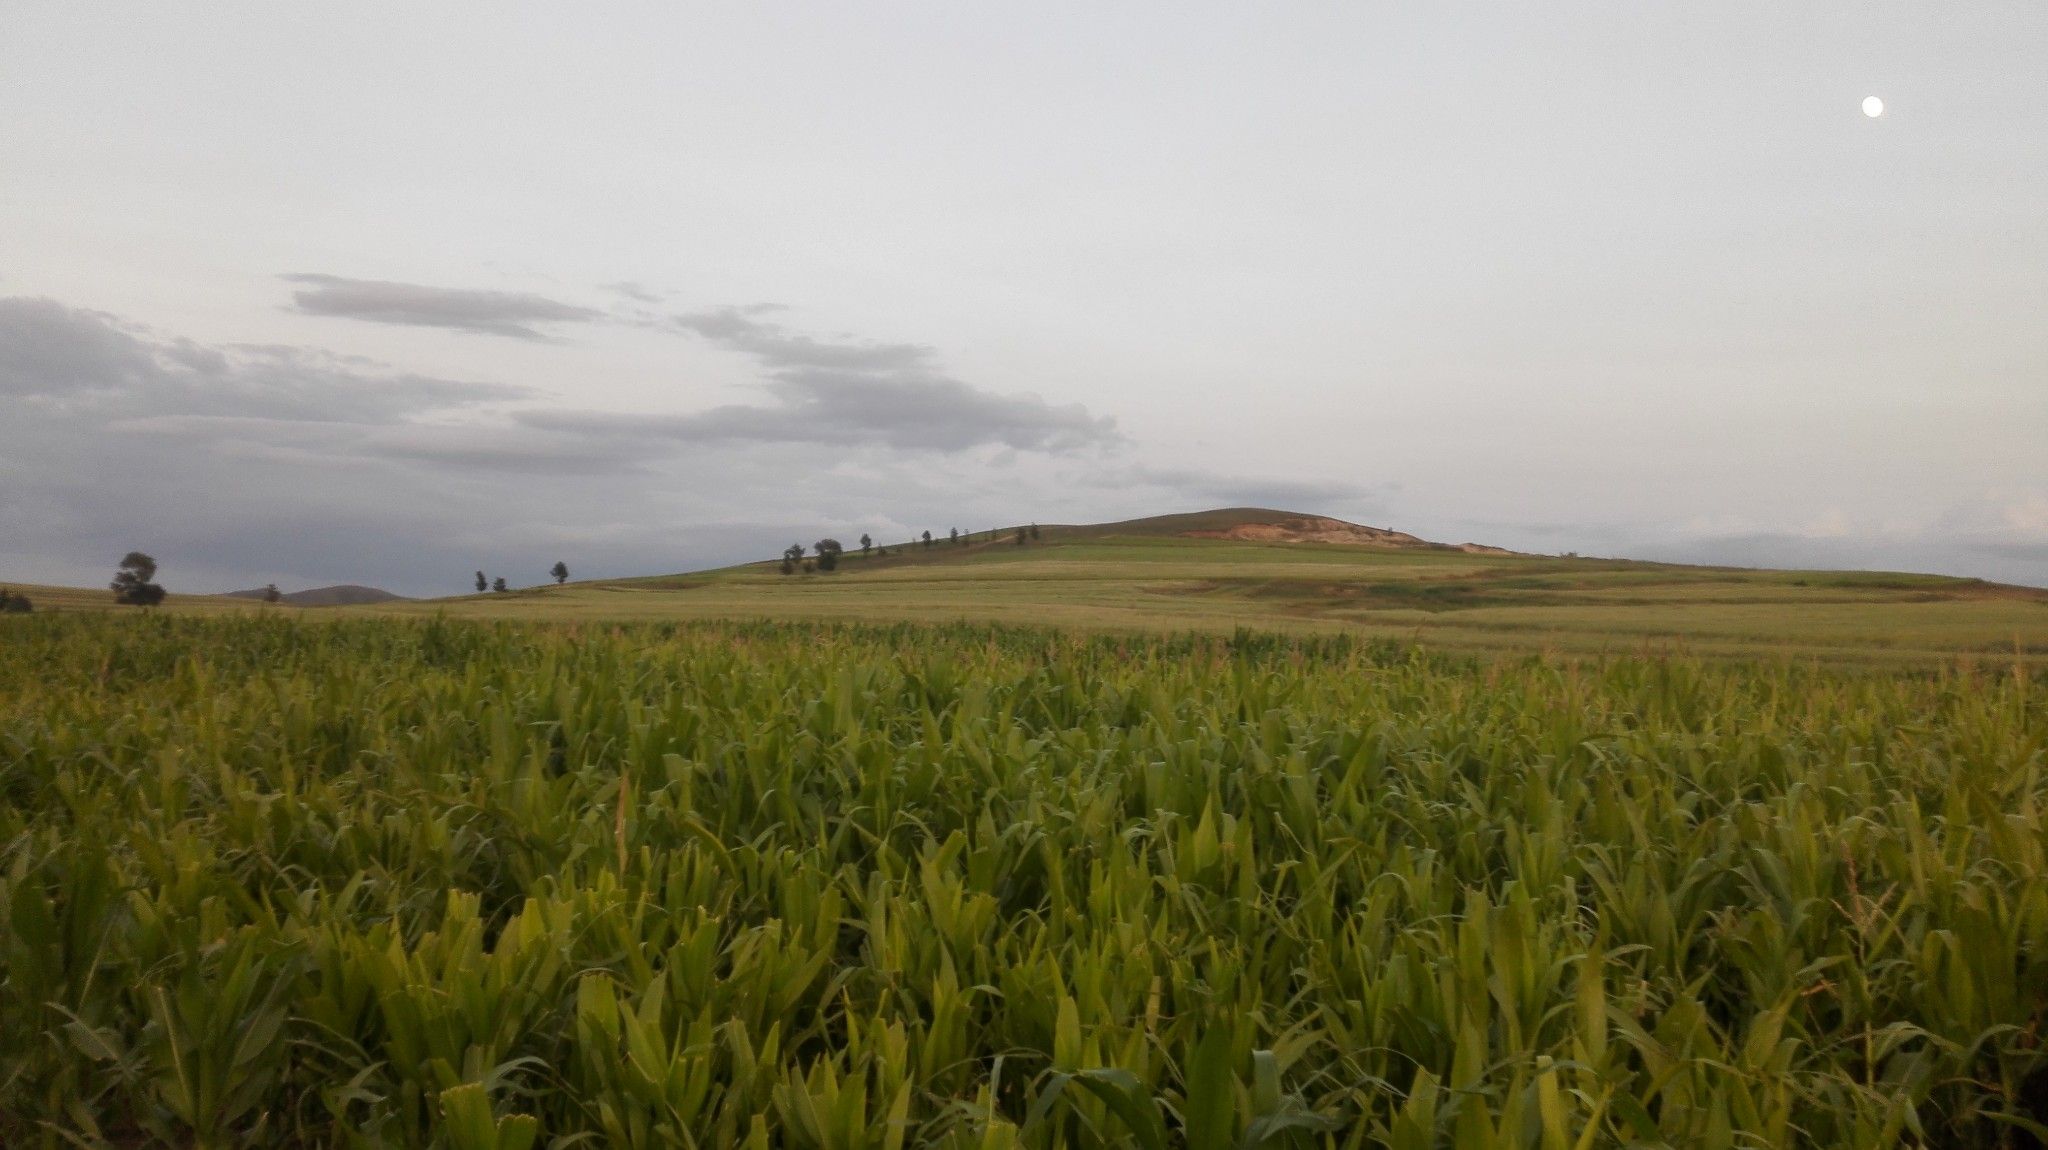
(421, 883)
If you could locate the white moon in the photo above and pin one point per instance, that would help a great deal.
(1873, 107)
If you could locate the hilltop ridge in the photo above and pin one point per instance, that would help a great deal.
(339, 595)
(1265, 525)
(1256, 525)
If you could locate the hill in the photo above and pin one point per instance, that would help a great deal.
(339, 595)
(1217, 571)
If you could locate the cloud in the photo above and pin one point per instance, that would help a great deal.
(49, 351)
(633, 290)
(510, 450)
(85, 361)
(778, 349)
(843, 393)
(850, 409)
(512, 314)
(118, 437)
(238, 464)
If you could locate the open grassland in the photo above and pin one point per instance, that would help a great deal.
(1442, 598)
(426, 883)
(1145, 576)
(48, 599)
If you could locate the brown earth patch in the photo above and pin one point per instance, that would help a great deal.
(1321, 529)
(1312, 529)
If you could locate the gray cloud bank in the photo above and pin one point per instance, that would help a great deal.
(64, 360)
(240, 464)
(830, 392)
(514, 314)
(843, 393)
(846, 391)
(846, 409)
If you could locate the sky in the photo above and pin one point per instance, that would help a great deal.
(387, 294)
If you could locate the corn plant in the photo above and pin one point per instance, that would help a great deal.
(346, 882)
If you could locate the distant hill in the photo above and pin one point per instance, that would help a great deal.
(339, 595)
(1235, 568)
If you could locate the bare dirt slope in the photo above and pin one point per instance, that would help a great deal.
(1285, 528)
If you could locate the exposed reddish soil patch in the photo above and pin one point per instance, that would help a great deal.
(1317, 529)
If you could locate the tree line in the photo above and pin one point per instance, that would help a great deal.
(559, 573)
(824, 554)
(134, 582)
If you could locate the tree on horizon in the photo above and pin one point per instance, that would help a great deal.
(927, 539)
(482, 584)
(865, 543)
(132, 584)
(828, 552)
(271, 594)
(498, 584)
(560, 571)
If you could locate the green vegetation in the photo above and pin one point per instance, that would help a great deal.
(1440, 597)
(97, 600)
(419, 882)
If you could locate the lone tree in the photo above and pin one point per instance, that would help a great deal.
(927, 539)
(954, 538)
(12, 604)
(498, 584)
(482, 584)
(791, 556)
(828, 551)
(132, 584)
(271, 594)
(866, 543)
(560, 571)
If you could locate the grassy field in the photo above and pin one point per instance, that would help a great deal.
(299, 878)
(1146, 576)
(1445, 599)
(53, 599)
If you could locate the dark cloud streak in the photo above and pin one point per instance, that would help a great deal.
(844, 393)
(846, 409)
(513, 314)
(778, 349)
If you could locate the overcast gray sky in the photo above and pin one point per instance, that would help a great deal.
(388, 293)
